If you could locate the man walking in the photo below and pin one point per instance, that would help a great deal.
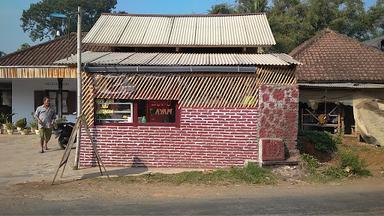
(45, 116)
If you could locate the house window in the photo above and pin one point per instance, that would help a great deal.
(113, 111)
(68, 100)
(139, 112)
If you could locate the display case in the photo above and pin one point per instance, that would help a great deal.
(113, 111)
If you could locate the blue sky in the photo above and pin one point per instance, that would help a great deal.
(12, 35)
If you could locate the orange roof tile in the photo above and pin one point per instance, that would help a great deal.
(333, 57)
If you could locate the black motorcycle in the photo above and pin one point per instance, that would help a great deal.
(63, 132)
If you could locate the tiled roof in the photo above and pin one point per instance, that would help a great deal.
(45, 54)
(180, 59)
(333, 57)
(220, 30)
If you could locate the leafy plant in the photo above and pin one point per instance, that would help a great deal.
(21, 123)
(334, 172)
(323, 141)
(351, 163)
(9, 126)
(310, 163)
(33, 124)
(6, 117)
(59, 121)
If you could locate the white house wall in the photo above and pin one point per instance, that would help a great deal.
(23, 95)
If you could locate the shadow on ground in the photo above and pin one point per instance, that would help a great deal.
(137, 167)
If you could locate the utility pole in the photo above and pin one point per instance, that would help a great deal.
(78, 79)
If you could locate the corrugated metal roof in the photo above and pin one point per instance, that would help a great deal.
(46, 53)
(178, 59)
(344, 85)
(247, 30)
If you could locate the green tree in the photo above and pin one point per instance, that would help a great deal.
(294, 21)
(252, 6)
(289, 23)
(375, 17)
(222, 8)
(345, 16)
(2, 53)
(37, 22)
(23, 46)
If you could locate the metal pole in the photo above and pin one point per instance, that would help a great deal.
(78, 79)
(60, 97)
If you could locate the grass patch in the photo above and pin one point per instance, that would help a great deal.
(250, 174)
(321, 173)
(348, 164)
(351, 162)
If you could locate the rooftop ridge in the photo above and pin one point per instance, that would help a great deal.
(183, 15)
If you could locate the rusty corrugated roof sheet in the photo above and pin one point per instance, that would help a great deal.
(45, 54)
(333, 57)
(246, 30)
(179, 59)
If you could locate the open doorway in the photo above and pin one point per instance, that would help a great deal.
(334, 117)
(6, 99)
(349, 119)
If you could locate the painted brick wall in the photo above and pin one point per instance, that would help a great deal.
(279, 113)
(207, 138)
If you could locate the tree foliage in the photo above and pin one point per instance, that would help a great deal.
(37, 22)
(252, 6)
(2, 53)
(375, 17)
(222, 8)
(23, 46)
(294, 21)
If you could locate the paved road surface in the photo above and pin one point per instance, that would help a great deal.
(346, 199)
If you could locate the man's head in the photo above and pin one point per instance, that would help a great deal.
(46, 101)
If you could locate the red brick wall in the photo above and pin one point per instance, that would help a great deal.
(279, 113)
(206, 138)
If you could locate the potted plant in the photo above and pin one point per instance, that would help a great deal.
(21, 124)
(59, 121)
(9, 126)
(25, 131)
(5, 118)
(33, 125)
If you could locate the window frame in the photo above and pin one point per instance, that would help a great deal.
(135, 117)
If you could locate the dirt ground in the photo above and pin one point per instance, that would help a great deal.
(372, 155)
(26, 173)
(22, 162)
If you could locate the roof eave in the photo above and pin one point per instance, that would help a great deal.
(181, 45)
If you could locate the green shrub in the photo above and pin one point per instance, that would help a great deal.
(9, 126)
(334, 172)
(21, 123)
(33, 124)
(310, 163)
(323, 141)
(6, 117)
(351, 161)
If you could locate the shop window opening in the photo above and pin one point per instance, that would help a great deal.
(138, 112)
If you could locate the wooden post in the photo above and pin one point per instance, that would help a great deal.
(71, 142)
